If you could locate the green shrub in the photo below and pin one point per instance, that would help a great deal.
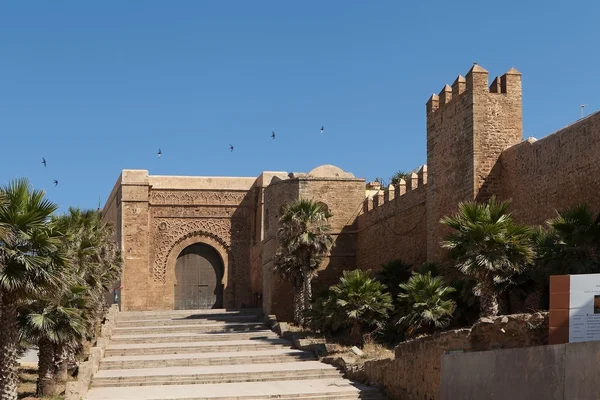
(357, 303)
(424, 304)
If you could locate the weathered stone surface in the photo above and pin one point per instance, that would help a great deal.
(342, 361)
(357, 351)
(222, 365)
(305, 344)
(553, 173)
(414, 373)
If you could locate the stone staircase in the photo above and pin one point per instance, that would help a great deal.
(212, 354)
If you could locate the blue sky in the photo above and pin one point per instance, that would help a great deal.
(97, 87)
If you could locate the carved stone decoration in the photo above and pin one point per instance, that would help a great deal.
(197, 197)
(190, 211)
(167, 232)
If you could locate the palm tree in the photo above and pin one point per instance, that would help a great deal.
(488, 246)
(60, 321)
(289, 270)
(304, 240)
(4, 227)
(29, 259)
(395, 179)
(424, 304)
(53, 323)
(392, 274)
(571, 245)
(94, 264)
(358, 302)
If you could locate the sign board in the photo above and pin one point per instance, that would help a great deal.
(584, 308)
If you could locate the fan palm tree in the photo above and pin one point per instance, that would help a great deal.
(395, 179)
(392, 274)
(358, 302)
(54, 322)
(424, 304)
(4, 226)
(29, 260)
(571, 245)
(489, 247)
(289, 270)
(94, 264)
(304, 240)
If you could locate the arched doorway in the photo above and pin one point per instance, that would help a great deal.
(198, 278)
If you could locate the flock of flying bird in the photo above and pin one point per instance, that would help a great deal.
(44, 162)
(231, 146)
(160, 153)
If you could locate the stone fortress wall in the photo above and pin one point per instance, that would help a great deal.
(393, 224)
(474, 150)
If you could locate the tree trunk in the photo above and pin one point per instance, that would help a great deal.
(298, 301)
(306, 281)
(46, 373)
(488, 301)
(61, 357)
(356, 336)
(9, 339)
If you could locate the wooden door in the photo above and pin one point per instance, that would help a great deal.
(198, 274)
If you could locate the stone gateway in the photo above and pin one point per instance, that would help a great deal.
(209, 242)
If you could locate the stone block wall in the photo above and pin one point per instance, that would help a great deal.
(276, 292)
(111, 213)
(135, 231)
(415, 372)
(553, 173)
(159, 216)
(468, 126)
(343, 197)
(474, 150)
(394, 225)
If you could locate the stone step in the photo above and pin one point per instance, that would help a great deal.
(219, 378)
(224, 369)
(191, 337)
(199, 328)
(201, 359)
(192, 320)
(283, 390)
(134, 315)
(194, 347)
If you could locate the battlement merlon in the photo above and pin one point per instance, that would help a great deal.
(476, 83)
(394, 193)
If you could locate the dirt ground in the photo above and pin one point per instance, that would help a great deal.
(27, 384)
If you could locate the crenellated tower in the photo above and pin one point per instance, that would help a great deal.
(468, 125)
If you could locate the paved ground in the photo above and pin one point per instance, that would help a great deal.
(211, 355)
(30, 357)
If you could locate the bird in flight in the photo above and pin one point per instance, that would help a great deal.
(44, 161)
(273, 134)
(55, 183)
(159, 153)
(322, 129)
(231, 147)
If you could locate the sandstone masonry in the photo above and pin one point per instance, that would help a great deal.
(474, 150)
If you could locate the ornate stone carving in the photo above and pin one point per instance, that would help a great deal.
(196, 197)
(167, 232)
(199, 212)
